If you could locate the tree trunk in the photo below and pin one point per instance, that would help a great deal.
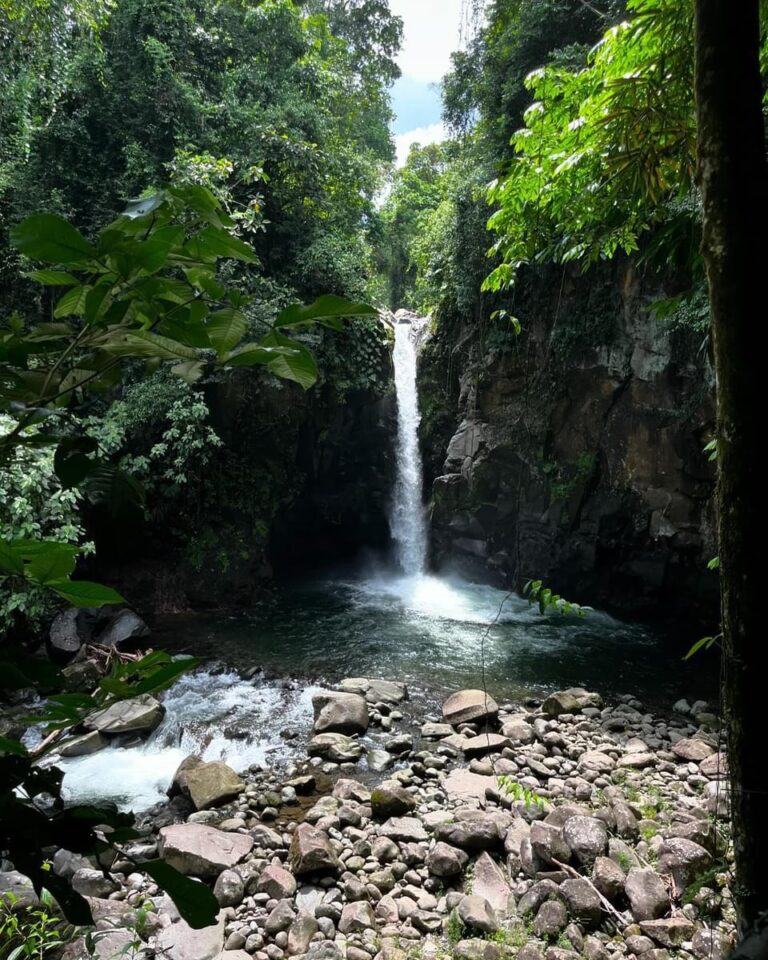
(734, 183)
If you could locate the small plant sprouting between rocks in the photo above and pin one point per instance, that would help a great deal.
(33, 933)
(535, 592)
(518, 792)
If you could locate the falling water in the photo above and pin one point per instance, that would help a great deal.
(408, 519)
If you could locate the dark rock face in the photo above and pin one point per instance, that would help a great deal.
(575, 450)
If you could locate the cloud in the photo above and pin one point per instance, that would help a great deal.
(431, 35)
(433, 133)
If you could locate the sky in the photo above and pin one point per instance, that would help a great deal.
(431, 34)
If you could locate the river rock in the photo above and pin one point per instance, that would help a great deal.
(277, 882)
(692, 749)
(473, 835)
(436, 731)
(466, 706)
(300, 934)
(65, 635)
(357, 917)
(405, 829)
(485, 743)
(311, 852)
(81, 676)
(139, 715)
(336, 747)
(518, 730)
(489, 882)
(92, 883)
(476, 949)
(347, 789)
(391, 799)
(84, 745)
(210, 784)
(670, 932)
(556, 704)
(337, 712)
(202, 851)
(477, 914)
(178, 941)
(582, 901)
(683, 860)
(551, 919)
(647, 894)
(124, 630)
(20, 888)
(715, 766)
(229, 888)
(444, 860)
(595, 761)
(375, 691)
(608, 878)
(587, 837)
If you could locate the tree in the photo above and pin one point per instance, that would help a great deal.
(733, 177)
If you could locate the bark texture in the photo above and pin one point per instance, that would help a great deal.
(734, 185)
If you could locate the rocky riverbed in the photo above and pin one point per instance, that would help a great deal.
(547, 831)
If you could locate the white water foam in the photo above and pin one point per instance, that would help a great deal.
(216, 716)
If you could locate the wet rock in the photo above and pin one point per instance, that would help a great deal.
(229, 889)
(277, 882)
(391, 799)
(84, 745)
(444, 860)
(551, 919)
(139, 715)
(311, 852)
(202, 851)
(81, 676)
(670, 932)
(692, 749)
(339, 712)
(587, 837)
(477, 914)
(466, 706)
(357, 917)
(379, 760)
(376, 691)
(210, 784)
(647, 894)
(582, 901)
(336, 747)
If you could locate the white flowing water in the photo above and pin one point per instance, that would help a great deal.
(408, 520)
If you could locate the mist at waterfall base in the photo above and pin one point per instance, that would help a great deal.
(387, 617)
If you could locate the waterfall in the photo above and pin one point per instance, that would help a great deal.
(408, 520)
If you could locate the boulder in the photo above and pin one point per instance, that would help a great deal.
(406, 829)
(550, 920)
(548, 844)
(683, 860)
(277, 882)
(124, 630)
(466, 706)
(587, 837)
(300, 934)
(436, 731)
(518, 730)
(490, 883)
(444, 860)
(339, 712)
(608, 878)
(347, 789)
(477, 949)
(178, 941)
(670, 932)
(477, 914)
(210, 784)
(473, 835)
(556, 704)
(20, 888)
(311, 852)
(89, 882)
(140, 715)
(376, 691)
(81, 675)
(595, 761)
(647, 894)
(715, 766)
(335, 747)
(84, 745)
(582, 901)
(692, 749)
(202, 851)
(65, 636)
(485, 743)
(391, 799)
(357, 917)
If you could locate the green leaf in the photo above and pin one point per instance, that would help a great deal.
(214, 242)
(152, 253)
(142, 343)
(141, 206)
(11, 558)
(52, 278)
(83, 593)
(7, 745)
(253, 354)
(703, 644)
(189, 370)
(194, 901)
(45, 236)
(72, 303)
(325, 308)
(298, 365)
(54, 562)
(226, 328)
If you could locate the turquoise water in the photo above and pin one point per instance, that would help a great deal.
(440, 634)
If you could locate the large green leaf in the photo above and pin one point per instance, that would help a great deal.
(325, 309)
(214, 242)
(297, 365)
(53, 278)
(254, 354)
(83, 593)
(194, 901)
(45, 236)
(72, 303)
(55, 561)
(226, 328)
(142, 343)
